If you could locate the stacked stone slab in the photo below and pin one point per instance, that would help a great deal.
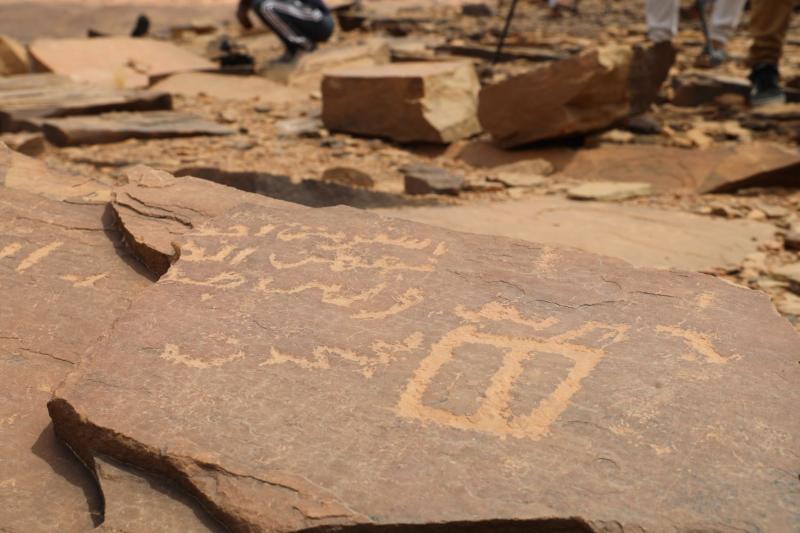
(404, 102)
(580, 94)
(418, 376)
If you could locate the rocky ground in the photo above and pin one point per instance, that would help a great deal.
(379, 318)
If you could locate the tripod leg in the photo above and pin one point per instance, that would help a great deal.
(503, 36)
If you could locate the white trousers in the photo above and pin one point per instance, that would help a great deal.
(663, 15)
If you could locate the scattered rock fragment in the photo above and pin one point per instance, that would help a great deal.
(514, 179)
(609, 190)
(228, 87)
(312, 68)
(790, 273)
(580, 94)
(789, 111)
(28, 143)
(518, 356)
(406, 102)
(694, 88)
(116, 127)
(304, 127)
(13, 57)
(792, 240)
(428, 179)
(351, 177)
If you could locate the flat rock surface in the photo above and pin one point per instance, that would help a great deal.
(116, 127)
(115, 61)
(228, 87)
(28, 97)
(639, 235)
(420, 376)
(609, 190)
(65, 278)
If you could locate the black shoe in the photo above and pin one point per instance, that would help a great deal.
(766, 86)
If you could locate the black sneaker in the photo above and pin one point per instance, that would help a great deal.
(766, 86)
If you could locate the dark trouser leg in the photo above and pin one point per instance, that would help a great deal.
(769, 22)
(299, 26)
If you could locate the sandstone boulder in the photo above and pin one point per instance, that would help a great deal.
(429, 179)
(609, 190)
(405, 102)
(116, 127)
(13, 57)
(26, 100)
(416, 376)
(580, 94)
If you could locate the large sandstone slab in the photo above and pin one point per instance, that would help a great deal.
(580, 94)
(642, 236)
(416, 376)
(227, 87)
(13, 57)
(116, 127)
(115, 61)
(308, 73)
(27, 99)
(65, 278)
(405, 102)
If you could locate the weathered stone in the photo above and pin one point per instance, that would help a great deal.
(228, 87)
(580, 94)
(751, 165)
(25, 100)
(30, 175)
(513, 179)
(405, 102)
(307, 127)
(115, 127)
(13, 57)
(697, 88)
(778, 112)
(609, 190)
(642, 236)
(428, 179)
(120, 62)
(538, 167)
(27, 143)
(351, 177)
(790, 273)
(65, 278)
(792, 240)
(531, 375)
(310, 70)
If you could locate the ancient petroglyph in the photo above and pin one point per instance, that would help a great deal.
(331, 294)
(37, 255)
(383, 354)
(224, 280)
(173, 353)
(700, 344)
(494, 415)
(405, 301)
(83, 282)
(10, 250)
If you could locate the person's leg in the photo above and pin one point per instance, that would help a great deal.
(281, 17)
(662, 19)
(769, 22)
(725, 19)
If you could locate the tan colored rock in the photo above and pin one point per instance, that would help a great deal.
(405, 102)
(580, 94)
(524, 376)
(308, 73)
(227, 87)
(26, 100)
(119, 62)
(351, 177)
(609, 190)
(694, 88)
(28, 143)
(116, 127)
(13, 57)
(30, 175)
(642, 236)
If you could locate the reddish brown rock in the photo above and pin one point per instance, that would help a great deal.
(26, 100)
(27, 143)
(65, 278)
(417, 376)
(116, 127)
(405, 102)
(13, 57)
(115, 61)
(580, 94)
